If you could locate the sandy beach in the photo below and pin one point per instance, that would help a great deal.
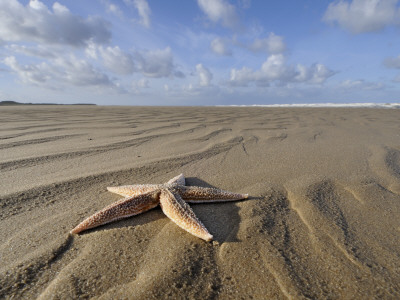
(321, 222)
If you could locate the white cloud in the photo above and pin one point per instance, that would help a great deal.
(392, 62)
(91, 50)
(152, 63)
(36, 23)
(157, 63)
(219, 11)
(36, 51)
(320, 73)
(79, 72)
(198, 94)
(360, 16)
(218, 47)
(205, 75)
(114, 9)
(361, 85)
(144, 11)
(303, 73)
(242, 77)
(117, 60)
(33, 74)
(276, 70)
(316, 73)
(273, 44)
(58, 72)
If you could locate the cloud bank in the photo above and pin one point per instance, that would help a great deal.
(36, 23)
(276, 71)
(361, 16)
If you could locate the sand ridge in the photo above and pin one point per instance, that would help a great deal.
(321, 221)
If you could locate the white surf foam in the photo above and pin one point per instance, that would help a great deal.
(369, 105)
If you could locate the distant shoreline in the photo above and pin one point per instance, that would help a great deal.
(14, 103)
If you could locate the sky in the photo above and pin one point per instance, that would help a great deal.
(199, 52)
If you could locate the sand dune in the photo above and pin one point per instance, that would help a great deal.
(322, 220)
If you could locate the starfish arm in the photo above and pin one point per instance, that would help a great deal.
(196, 194)
(121, 209)
(133, 190)
(178, 180)
(182, 215)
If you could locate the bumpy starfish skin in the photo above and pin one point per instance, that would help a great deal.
(195, 194)
(182, 215)
(121, 209)
(171, 196)
(134, 190)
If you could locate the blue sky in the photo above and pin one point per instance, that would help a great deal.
(199, 52)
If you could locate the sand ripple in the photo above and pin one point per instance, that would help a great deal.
(322, 220)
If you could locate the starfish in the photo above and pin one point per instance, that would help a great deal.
(171, 196)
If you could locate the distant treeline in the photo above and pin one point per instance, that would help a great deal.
(7, 102)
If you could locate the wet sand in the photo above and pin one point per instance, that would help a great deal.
(322, 220)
